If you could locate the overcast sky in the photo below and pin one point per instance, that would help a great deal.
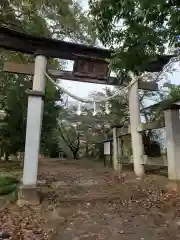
(84, 89)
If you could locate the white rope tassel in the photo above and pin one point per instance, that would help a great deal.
(79, 109)
(66, 103)
(94, 112)
(107, 108)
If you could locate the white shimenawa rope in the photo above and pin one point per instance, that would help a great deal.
(93, 100)
(106, 99)
(165, 68)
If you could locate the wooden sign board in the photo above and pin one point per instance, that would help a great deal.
(107, 148)
(148, 86)
(91, 67)
(27, 69)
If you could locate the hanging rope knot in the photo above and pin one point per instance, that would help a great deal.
(79, 109)
(94, 112)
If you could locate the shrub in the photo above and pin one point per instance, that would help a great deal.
(8, 185)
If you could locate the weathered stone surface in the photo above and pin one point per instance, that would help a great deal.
(28, 196)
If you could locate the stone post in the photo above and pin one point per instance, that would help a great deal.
(33, 133)
(115, 149)
(172, 124)
(135, 120)
(119, 150)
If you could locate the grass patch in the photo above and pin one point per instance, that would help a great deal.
(8, 185)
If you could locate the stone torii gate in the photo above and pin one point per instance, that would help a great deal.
(90, 65)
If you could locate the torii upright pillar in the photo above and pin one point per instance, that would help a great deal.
(135, 120)
(28, 193)
(172, 123)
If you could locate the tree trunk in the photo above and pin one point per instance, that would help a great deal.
(75, 152)
(6, 156)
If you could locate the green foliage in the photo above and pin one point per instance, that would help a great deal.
(4, 190)
(174, 93)
(93, 129)
(50, 116)
(15, 104)
(16, 108)
(4, 181)
(119, 111)
(69, 136)
(136, 29)
(59, 19)
(8, 185)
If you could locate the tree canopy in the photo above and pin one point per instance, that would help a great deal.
(53, 18)
(136, 29)
(57, 19)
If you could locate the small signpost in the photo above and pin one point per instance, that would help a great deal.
(177, 45)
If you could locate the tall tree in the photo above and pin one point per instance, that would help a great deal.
(69, 135)
(136, 29)
(59, 19)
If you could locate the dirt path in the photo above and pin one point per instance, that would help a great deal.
(83, 201)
